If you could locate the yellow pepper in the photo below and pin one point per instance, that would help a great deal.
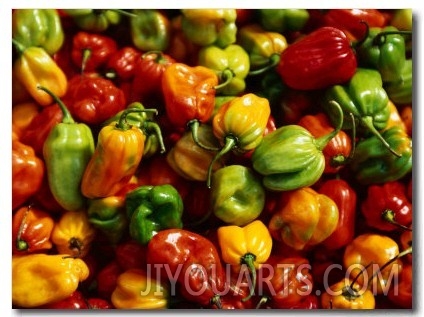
(73, 234)
(136, 290)
(395, 118)
(249, 245)
(39, 279)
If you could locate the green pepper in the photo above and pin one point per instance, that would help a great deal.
(365, 98)
(232, 65)
(151, 209)
(150, 30)
(372, 164)
(67, 151)
(210, 26)
(95, 20)
(108, 216)
(283, 20)
(290, 157)
(400, 92)
(238, 196)
(38, 27)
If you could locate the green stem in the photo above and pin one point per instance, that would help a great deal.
(388, 215)
(380, 38)
(322, 141)
(153, 126)
(340, 159)
(227, 75)
(67, 117)
(230, 142)
(274, 59)
(86, 55)
(194, 127)
(19, 46)
(123, 124)
(159, 56)
(249, 260)
(125, 13)
(22, 245)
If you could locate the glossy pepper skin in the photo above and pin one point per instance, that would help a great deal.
(303, 218)
(67, 151)
(151, 209)
(320, 59)
(193, 261)
(52, 278)
(373, 164)
(120, 65)
(94, 20)
(210, 26)
(38, 27)
(386, 206)
(283, 20)
(136, 289)
(249, 245)
(232, 65)
(237, 196)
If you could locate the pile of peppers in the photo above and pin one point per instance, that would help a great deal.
(212, 159)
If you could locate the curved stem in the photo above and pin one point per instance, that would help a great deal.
(380, 38)
(364, 38)
(123, 123)
(22, 245)
(340, 159)
(67, 117)
(388, 215)
(274, 59)
(153, 126)
(19, 46)
(249, 260)
(86, 55)
(230, 142)
(228, 76)
(194, 127)
(263, 300)
(216, 300)
(125, 13)
(322, 141)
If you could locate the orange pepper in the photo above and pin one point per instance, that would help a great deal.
(406, 115)
(394, 119)
(22, 115)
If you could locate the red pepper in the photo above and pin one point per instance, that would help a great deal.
(345, 198)
(121, 64)
(99, 303)
(93, 100)
(107, 279)
(401, 293)
(386, 206)
(131, 255)
(318, 60)
(90, 51)
(75, 301)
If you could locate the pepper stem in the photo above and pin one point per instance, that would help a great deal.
(380, 38)
(152, 126)
(22, 245)
(159, 56)
(322, 141)
(67, 117)
(216, 300)
(274, 59)
(249, 260)
(194, 127)
(19, 46)
(389, 216)
(123, 123)
(339, 160)
(226, 77)
(86, 55)
(230, 143)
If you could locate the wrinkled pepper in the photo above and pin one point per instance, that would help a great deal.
(237, 196)
(52, 278)
(120, 65)
(151, 209)
(210, 26)
(245, 247)
(22, 115)
(303, 218)
(231, 64)
(283, 20)
(400, 92)
(94, 20)
(373, 164)
(38, 27)
(137, 289)
(67, 151)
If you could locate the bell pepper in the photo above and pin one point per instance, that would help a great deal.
(320, 59)
(373, 164)
(338, 150)
(210, 26)
(237, 196)
(303, 162)
(120, 65)
(303, 218)
(67, 151)
(264, 47)
(231, 64)
(31, 230)
(108, 216)
(191, 260)
(150, 30)
(344, 195)
(246, 247)
(363, 96)
(35, 67)
(283, 20)
(400, 92)
(73, 234)
(94, 20)
(52, 278)
(402, 292)
(118, 153)
(151, 209)
(28, 171)
(386, 207)
(38, 27)
(137, 289)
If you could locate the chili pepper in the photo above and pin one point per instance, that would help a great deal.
(27, 173)
(108, 216)
(303, 162)
(137, 289)
(67, 151)
(116, 157)
(237, 196)
(121, 64)
(210, 26)
(345, 197)
(372, 164)
(303, 218)
(283, 20)
(402, 292)
(400, 92)
(248, 246)
(73, 234)
(232, 65)
(338, 150)
(318, 60)
(386, 206)
(38, 27)
(35, 67)
(150, 30)
(94, 20)
(31, 230)
(151, 209)
(52, 278)
(192, 260)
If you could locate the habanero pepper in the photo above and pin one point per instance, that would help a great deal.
(94, 20)
(22, 115)
(120, 65)
(402, 292)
